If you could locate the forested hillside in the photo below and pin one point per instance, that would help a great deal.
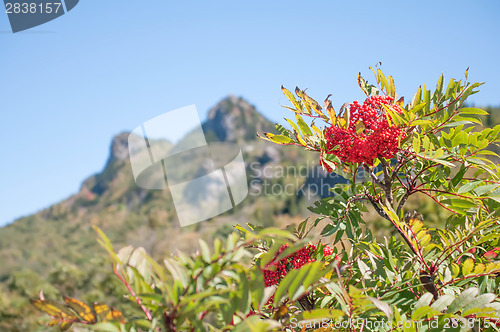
(55, 249)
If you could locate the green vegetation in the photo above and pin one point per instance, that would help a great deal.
(223, 285)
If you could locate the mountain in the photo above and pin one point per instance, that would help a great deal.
(56, 250)
(233, 119)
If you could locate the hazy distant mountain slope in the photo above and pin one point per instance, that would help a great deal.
(112, 200)
(56, 249)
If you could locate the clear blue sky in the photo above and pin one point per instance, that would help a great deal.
(68, 86)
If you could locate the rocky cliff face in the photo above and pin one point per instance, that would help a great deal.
(233, 119)
(119, 147)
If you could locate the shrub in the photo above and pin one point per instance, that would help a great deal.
(421, 279)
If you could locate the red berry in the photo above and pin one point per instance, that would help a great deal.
(377, 140)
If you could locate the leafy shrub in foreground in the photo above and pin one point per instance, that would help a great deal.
(423, 279)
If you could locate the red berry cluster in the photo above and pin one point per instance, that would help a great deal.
(377, 140)
(277, 270)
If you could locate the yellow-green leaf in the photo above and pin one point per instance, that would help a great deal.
(330, 110)
(290, 97)
(278, 139)
(467, 266)
(304, 128)
(416, 143)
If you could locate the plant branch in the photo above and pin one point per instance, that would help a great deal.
(148, 314)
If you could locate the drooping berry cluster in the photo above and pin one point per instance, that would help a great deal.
(277, 270)
(375, 138)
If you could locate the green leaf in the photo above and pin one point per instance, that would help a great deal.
(485, 189)
(256, 285)
(312, 274)
(472, 110)
(391, 88)
(462, 300)
(467, 266)
(417, 97)
(450, 88)
(479, 302)
(256, 324)
(200, 295)
(420, 122)
(284, 286)
(468, 187)
(459, 203)
(424, 300)
(304, 128)
(205, 252)
(455, 269)
(427, 99)
(283, 131)
(424, 312)
(66, 325)
(382, 306)
(440, 85)
(277, 232)
(416, 143)
(443, 162)
(278, 139)
(104, 241)
(443, 302)
(456, 123)
(458, 177)
(106, 327)
(318, 314)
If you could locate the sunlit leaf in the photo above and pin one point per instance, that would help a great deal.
(83, 310)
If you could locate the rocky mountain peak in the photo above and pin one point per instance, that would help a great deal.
(119, 147)
(233, 119)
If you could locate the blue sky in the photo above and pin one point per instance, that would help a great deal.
(68, 86)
